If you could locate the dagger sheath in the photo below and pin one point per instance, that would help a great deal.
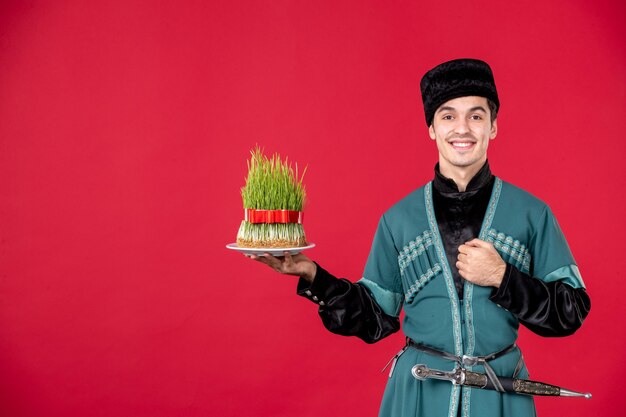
(519, 386)
(471, 379)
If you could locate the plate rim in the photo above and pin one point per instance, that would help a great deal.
(233, 246)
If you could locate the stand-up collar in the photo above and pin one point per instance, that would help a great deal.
(447, 186)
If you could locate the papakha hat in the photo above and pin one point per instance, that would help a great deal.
(457, 78)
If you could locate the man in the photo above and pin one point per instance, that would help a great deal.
(467, 256)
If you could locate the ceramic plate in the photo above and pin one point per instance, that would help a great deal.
(271, 251)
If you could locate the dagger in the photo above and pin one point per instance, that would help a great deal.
(461, 376)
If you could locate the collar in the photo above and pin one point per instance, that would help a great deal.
(447, 185)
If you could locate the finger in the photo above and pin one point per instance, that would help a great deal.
(288, 258)
(477, 243)
(462, 257)
(255, 257)
(466, 249)
(287, 262)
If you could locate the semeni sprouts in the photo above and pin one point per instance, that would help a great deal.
(272, 184)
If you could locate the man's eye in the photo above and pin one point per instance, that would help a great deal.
(447, 117)
(476, 117)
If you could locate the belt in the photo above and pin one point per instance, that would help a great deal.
(469, 360)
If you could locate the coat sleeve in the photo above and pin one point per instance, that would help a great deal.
(547, 308)
(368, 309)
(348, 308)
(550, 299)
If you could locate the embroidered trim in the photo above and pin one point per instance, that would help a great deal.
(414, 249)
(454, 399)
(443, 261)
(421, 282)
(469, 287)
(466, 403)
(512, 248)
(491, 209)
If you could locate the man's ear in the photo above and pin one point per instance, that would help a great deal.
(494, 129)
(431, 131)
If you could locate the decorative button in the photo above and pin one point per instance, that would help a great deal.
(308, 292)
(322, 303)
(315, 298)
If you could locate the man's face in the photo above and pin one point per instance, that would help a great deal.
(462, 128)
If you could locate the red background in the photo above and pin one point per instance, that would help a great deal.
(124, 131)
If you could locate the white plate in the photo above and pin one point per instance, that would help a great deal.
(271, 251)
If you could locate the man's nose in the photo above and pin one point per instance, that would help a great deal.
(461, 126)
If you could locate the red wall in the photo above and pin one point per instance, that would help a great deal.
(124, 131)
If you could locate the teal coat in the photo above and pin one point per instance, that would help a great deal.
(407, 269)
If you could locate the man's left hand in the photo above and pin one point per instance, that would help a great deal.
(479, 263)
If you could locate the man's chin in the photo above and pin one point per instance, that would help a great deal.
(463, 163)
(466, 163)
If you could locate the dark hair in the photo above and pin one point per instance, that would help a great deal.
(493, 109)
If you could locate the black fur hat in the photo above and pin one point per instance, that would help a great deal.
(457, 78)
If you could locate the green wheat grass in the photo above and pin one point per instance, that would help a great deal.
(272, 184)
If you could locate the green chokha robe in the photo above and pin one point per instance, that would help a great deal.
(407, 269)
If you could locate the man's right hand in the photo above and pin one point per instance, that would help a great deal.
(298, 265)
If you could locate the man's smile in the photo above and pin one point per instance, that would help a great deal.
(462, 145)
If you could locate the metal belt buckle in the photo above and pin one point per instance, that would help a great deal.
(468, 360)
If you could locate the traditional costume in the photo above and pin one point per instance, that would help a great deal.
(447, 320)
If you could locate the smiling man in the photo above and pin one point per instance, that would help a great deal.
(468, 257)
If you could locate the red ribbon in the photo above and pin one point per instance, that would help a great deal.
(273, 216)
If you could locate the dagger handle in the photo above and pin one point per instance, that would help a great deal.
(476, 380)
(423, 372)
